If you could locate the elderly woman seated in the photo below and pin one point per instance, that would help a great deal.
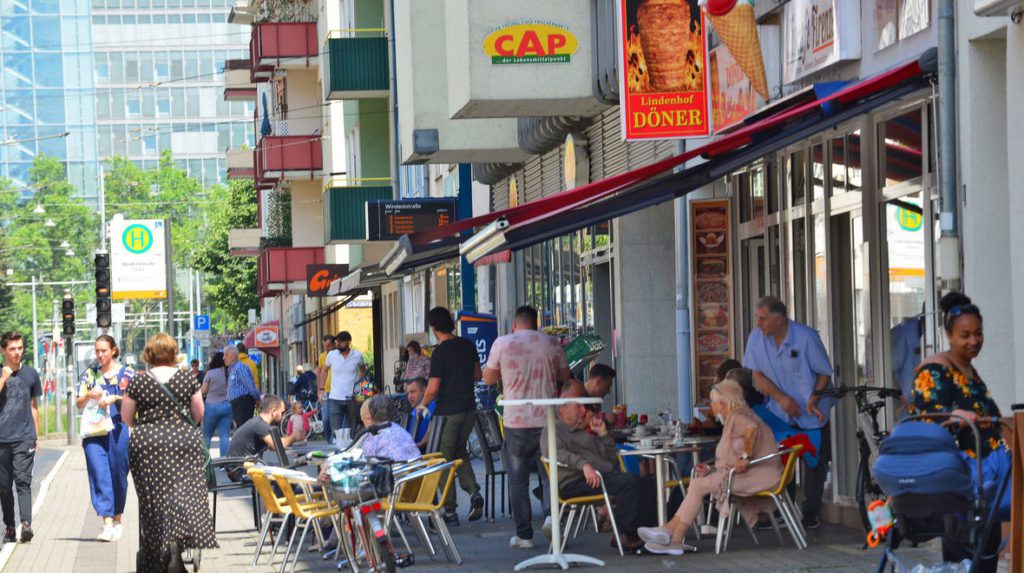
(744, 437)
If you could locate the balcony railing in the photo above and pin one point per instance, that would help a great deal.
(282, 45)
(278, 267)
(241, 164)
(357, 66)
(238, 82)
(345, 210)
(288, 157)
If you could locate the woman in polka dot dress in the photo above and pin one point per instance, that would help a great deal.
(165, 454)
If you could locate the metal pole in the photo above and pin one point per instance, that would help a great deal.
(191, 314)
(947, 118)
(35, 327)
(103, 211)
(684, 369)
(282, 349)
(170, 277)
(199, 310)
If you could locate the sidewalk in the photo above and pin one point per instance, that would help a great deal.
(66, 527)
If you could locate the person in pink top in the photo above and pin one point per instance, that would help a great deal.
(530, 364)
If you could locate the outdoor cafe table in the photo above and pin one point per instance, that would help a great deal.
(555, 556)
(691, 444)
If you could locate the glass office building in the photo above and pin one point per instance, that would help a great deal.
(159, 83)
(46, 89)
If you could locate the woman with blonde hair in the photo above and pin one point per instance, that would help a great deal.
(163, 405)
(744, 437)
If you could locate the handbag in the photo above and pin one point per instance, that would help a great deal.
(211, 476)
(95, 421)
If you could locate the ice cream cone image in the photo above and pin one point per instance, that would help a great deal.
(665, 37)
(737, 27)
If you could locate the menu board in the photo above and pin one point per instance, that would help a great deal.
(710, 250)
(389, 220)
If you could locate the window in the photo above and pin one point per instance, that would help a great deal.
(901, 149)
(797, 163)
(163, 71)
(163, 106)
(133, 106)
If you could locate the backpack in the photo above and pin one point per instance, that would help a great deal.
(364, 390)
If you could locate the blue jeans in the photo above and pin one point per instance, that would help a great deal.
(520, 455)
(325, 417)
(339, 415)
(218, 418)
(106, 462)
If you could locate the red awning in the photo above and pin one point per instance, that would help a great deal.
(504, 256)
(250, 339)
(571, 199)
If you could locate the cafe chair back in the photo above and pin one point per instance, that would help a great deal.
(578, 509)
(276, 509)
(489, 437)
(305, 512)
(431, 485)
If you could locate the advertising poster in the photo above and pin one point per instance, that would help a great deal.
(481, 330)
(712, 290)
(810, 41)
(138, 259)
(665, 79)
(732, 95)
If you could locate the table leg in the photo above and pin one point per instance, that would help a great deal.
(555, 555)
(659, 476)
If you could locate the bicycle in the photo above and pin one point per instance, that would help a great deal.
(869, 438)
(486, 396)
(310, 411)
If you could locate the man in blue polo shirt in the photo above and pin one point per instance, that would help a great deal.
(789, 363)
(415, 389)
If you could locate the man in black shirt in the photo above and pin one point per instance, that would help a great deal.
(454, 370)
(253, 438)
(19, 425)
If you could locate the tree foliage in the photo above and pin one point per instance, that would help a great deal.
(231, 281)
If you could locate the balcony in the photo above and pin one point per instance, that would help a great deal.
(356, 68)
(282, 45)
(345, 211)
(244, 242)
(238, 84)
(240, 164)
(284, 268)
(287, 157)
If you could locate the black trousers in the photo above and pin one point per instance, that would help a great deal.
(16, 462)
(814, 478)
(242, 409)
(636, 498)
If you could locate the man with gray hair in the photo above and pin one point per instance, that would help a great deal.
(790, 365)
(242, 392)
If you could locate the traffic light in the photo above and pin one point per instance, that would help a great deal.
(67, 310)
(102, 262)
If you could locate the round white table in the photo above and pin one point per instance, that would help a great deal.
(555, 556)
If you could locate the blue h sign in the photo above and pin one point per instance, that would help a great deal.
(201, 322)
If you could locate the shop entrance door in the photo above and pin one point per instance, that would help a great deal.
(755, 286)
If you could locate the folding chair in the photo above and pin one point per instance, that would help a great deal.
(277, 508)
(581, 505)
(779, 494)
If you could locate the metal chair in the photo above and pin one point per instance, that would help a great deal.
(581, 505)
(225, 485)
(277, 508)
(489, 436)
(306, 513)
(779, 495)
(432, 487)
(434, 430)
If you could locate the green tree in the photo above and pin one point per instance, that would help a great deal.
(54, 245)
(231, 280)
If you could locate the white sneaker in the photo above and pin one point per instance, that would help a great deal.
(107, 534)
(118, 532)
(517, 543)
(663, 549)
(546, 528)
(659, 535)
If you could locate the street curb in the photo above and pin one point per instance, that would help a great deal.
(44, 487)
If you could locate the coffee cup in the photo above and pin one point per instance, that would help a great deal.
(640, 431)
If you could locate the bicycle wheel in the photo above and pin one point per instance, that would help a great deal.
(867, 490)
(284, 423)
(385, 559)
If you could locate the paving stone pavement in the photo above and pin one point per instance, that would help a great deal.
(66, 528)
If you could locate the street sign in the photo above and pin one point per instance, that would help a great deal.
(256, 357)
(138, 259)
(201, 322)
(389, 220)
(200, 334)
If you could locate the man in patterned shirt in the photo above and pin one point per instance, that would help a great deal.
(242, 392)
(530, 364)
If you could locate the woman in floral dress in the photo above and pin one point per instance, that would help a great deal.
(947, 383)
(166, 457)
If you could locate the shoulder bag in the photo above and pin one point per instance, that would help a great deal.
(211, 477)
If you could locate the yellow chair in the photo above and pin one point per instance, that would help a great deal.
(421, 494)
(276, 508)
(305, 512)
(581, 505)
(779, 495)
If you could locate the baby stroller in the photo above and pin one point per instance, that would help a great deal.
(931, 488)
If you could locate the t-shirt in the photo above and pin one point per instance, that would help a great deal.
(321, 363)
(248, 440)
(217, 386)
(16, 406)
(529, 362)
(111, 385)
(453, 362)
(344, 373)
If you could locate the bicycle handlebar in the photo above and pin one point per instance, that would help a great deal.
(842, 390)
